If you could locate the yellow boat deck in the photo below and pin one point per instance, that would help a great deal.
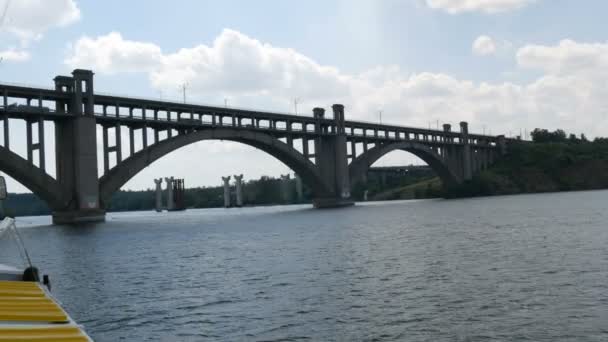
(29, 313)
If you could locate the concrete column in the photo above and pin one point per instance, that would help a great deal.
(159, 194)
(131, 140)
(466, 151)
(41, 149)
(299, 189)
(106, 149)
(289, 135)
(332, 161)
(29, 138)
(118, 142)
(76, 152)
(318, 114)
(305, 147)
(144, 136)
(447, 128)
(285, 193)
(226, 191)
(502, 145)
(5, 120)
(239, 190)
(170, 201)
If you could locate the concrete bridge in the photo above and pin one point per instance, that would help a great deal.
(329, 153)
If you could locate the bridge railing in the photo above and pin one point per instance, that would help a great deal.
(25, 85)
(108, 99)
(175, 102)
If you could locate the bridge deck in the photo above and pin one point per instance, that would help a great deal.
(174, 113)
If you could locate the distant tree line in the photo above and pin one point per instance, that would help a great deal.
(541, 135)
(263, 191)
(556, 161)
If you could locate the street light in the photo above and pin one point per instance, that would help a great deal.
(183, 87)
(295, 105)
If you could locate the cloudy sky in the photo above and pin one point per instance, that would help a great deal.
(506, 66)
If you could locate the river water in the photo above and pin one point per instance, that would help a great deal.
(514, 268)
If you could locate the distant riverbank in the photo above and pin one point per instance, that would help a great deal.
(542, 167)
(553, 162)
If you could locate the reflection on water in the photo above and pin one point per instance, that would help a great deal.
(518, 268)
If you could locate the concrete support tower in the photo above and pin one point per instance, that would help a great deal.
(226, 191)
(76, 150)
(239, 190)
(332, 160)
(299, 191)
(170, 201)
(467, 173)
(159, 195)
(285, 182)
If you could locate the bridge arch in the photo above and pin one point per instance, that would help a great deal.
(33, 178)
(359, 166)
(128, 168)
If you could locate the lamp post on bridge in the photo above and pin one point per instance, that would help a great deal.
(183, 88)
(295, 104)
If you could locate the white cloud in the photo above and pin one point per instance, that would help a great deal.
(484, 46)
(570, 93)
(485, 6)
(237, 63)
(30, 19)
(12, 55)
(566, 58)
(111, 54)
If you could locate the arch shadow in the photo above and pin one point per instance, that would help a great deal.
(358, 168)
(128, 168)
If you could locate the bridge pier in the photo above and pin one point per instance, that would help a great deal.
(332, 160)
(239, 189)
(226, 191)
(299, 190)
(285, 188)
(467, 173)
(158, 195)
(170, 200)
(76, 151)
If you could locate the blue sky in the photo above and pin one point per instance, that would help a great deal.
(502, 65)
(353, 35)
